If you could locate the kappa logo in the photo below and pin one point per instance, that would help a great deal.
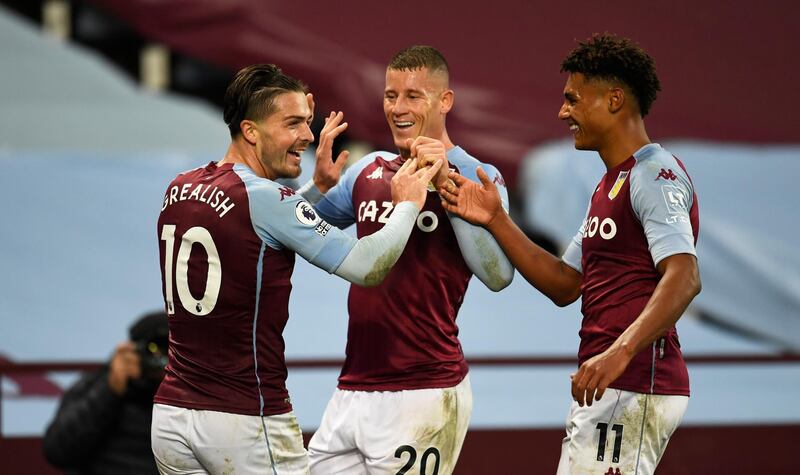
(285, 192)
(666, 174)
(376, 174)
(305, 214)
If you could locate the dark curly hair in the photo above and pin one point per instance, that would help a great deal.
(252, 92)
(617, 59)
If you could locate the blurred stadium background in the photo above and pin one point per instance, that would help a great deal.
(102, 102)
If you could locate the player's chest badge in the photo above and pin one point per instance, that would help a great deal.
(623, 175)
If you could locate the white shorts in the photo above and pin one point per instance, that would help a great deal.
(392, 432)
(188, 441)
(624, 433)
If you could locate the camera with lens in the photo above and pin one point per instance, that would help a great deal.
(152, 357)
(150, 335)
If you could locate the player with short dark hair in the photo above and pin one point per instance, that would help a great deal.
(633, 263)
(404, 401)
(252, 92)
(228, 235)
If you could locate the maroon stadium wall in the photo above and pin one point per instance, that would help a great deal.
(736, 450)
(725, 69)
(693, 450)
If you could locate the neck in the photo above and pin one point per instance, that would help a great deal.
(448, 144)
(240, 151)
(622, 141)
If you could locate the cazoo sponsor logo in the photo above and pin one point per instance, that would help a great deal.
(427, 221)
(607, 228)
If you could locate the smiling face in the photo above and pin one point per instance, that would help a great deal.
(586, 110)
(283, 135)
(415, 103)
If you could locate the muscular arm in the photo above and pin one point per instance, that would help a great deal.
(481, 205)
(547, 273)
(483, 255)
(293, 223)
(373, 256)
(679, 284)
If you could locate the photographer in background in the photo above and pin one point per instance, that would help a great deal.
(103, 423)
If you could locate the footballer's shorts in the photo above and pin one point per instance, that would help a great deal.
(409, 432)
(624, 433)
(188, 441)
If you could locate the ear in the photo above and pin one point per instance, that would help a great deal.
(448, 97)
(616, 99)
(249, 131)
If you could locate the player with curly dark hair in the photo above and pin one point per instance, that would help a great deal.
(617, 60)
(632, 262)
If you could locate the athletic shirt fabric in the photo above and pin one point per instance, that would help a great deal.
(642, 211)
(402, 334)
(227, 242)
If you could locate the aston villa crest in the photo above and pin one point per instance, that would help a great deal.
(618, 184)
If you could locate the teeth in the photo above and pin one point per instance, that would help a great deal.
(404, 124)
(573, 127)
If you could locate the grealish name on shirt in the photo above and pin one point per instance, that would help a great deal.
(208, 194)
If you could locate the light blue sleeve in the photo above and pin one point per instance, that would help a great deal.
(336, 206)
(471, 171)
(574, 253)
(289, 221)
(310, 192)
(484, 257)
(662, 206)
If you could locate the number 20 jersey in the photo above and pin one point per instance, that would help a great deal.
(402, 334)
(227, 246)
(642, 211)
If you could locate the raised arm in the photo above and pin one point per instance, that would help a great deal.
(480, 204)
(373, 256)
(480, 251)
(285, 220)
(327, 171)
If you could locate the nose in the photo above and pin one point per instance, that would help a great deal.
(563, 113)
(306, 134)
(399, 106)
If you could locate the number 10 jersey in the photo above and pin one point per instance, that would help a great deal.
(227, 247)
